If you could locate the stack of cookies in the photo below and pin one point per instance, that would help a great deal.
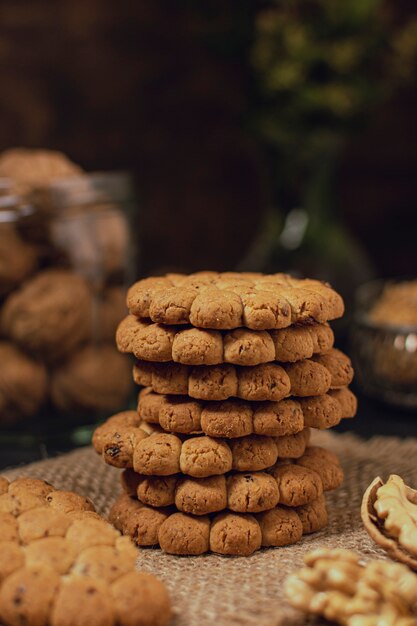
(236, 370)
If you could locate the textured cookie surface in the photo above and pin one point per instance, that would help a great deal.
(268, 381)
(124, 441)
(62, 564)
(159, 343)
(231, 300)
(225, 533)
(290, 484)
(50, 315)
(238, 418)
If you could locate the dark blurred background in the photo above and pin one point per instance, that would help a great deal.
(176, 91)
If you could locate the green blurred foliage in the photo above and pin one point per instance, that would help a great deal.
(320, 68)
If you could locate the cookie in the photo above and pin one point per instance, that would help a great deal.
(238, 418)
(17, 259)
(225, 533)
(195, 346)
(231, 300)
(62, 564)
(268, 381)
(95, 378)
(290, 484)
(124, 442)
(33, 169)
(50, 315)
(23, 384)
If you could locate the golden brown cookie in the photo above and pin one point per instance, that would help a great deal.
(225, 533)
(17, 259)
(95, 378)
(238, 418)
(289, 483)
(23, 384)
(231, 300)
(33, 169)
(268, 381)
(62, 564)
(196, 346)
(124, 441)
(50, 315)
(325, 463)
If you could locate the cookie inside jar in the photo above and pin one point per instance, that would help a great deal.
(67, 259)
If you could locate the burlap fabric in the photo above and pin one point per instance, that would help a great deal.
(231, 591)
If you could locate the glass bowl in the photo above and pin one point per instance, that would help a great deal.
(384, 353)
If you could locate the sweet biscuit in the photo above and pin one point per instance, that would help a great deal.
(60, 563)
(238, 418)
(49, 315)
(95, 378)
(23, 384)
(117, 438)
(325, 463)
(268, 381)
(231, 300)
(226, 533)
(290, 484)
(18, 259)
(196, 346)
(339, 365)
(124, 441)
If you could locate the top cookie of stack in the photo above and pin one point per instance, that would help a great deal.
(224, 301)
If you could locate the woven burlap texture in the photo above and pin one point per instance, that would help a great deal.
(231, 591)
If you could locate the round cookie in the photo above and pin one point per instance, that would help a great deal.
(225, 533)
(325, 463)
(231, 300)
(235, 534)
(17, 258)
(339, 365)
(268, 381)
(313, 516)
(123, 441)
(33, 169)
(23, 384)
(61, 563)
(50, 315)
(95, 378)
(196, 346)
(287, 483)
(239, 418)
(280, 527)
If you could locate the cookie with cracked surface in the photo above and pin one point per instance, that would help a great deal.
(231, 300)
(153, 342)
(226, 533)
(290, 484)
(238, 418)
(50, 315)
(23, 384)
(268, 381)
(95, 378)
(325, 463)
(61, 563)
(124, 441)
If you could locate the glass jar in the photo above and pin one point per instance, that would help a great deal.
(65, 265)
(384, 353)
